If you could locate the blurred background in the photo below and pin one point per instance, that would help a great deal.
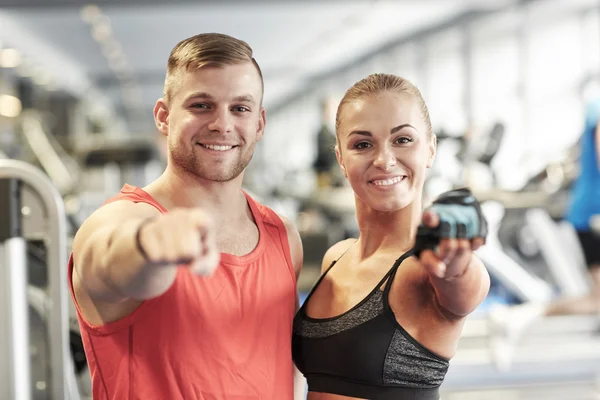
(507, 83)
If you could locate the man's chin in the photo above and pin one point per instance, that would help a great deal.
(221, 176)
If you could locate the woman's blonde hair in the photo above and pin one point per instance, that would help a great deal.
(378, 83)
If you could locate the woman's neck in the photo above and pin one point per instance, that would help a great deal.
(387, 231)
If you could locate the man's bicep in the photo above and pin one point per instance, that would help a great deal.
(92, 241)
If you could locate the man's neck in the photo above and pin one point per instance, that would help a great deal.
(174, 189)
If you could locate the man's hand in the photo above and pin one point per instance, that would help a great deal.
(184, 237)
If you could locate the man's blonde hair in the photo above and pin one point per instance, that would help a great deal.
(378, 83)
(206, 49)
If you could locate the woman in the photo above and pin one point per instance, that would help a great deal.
(382, 323)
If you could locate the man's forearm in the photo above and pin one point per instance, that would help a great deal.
(125, 271)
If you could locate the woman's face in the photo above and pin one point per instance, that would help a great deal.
(385, 149)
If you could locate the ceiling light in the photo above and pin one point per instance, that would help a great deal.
(118, 64)
(124, 74)
(10, 106)
(112, 49)
(10, 58)
(101, 29)
(90, 12)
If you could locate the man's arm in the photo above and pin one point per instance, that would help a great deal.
(107, 262)
(297, 255)
(128, 252)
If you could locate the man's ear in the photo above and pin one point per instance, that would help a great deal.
(161, 116)
(262, 122)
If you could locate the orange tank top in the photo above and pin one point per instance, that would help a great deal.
(227, 336)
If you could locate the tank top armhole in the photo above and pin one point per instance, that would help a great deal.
(140, 312)
(270, 217)
(136, 195)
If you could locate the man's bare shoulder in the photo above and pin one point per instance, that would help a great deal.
(111, 215)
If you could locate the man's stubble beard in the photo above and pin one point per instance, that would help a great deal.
(192, 164)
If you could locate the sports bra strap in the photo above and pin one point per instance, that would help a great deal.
(392, 272)
(389, 275)
(323, 275)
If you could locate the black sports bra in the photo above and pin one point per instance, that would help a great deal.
(364, 352)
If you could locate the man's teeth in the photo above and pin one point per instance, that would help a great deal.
(388, 182)
(218, 148)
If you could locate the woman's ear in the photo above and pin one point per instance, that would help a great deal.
(338, 155)
(432, 150)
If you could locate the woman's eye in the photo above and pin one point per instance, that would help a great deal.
(362, 145)
(404, 140)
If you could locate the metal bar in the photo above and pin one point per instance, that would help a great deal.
(571, 280)
(16, 377)
(10, 209)
(63, 384)
(513, 276)
(16, 381)
(50, 156)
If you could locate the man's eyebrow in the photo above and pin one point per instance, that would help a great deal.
(244, 98)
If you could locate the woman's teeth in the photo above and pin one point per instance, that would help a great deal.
(387, 182)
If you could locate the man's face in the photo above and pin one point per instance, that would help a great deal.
(214, 121)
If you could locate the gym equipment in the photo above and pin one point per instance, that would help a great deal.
(31, 207)
(522, 283)
(567, 268)
(530, 232)
(14, 302)
(534, 255)
(107, 164)
(558, 359)
(60, 167)
(528, 250)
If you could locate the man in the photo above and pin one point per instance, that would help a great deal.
(186, 289)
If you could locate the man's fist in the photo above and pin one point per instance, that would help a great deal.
(183, 237)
